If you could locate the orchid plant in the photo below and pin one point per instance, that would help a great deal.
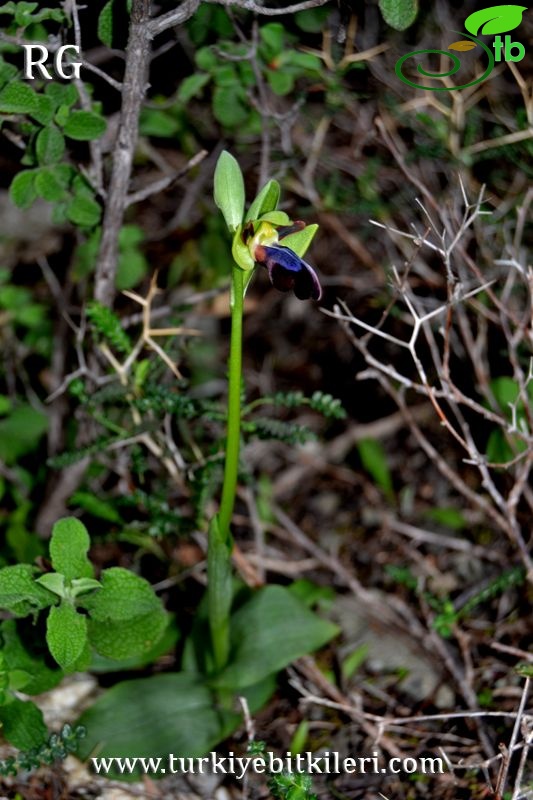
(263, 236)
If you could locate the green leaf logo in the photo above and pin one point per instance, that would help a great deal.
(496, 19)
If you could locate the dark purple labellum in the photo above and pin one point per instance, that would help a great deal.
(288, 271)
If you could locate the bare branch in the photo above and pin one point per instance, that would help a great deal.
(182, 14)
(176, 17)
(137, 60)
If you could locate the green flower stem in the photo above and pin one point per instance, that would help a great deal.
(219, 573)
(231, 467)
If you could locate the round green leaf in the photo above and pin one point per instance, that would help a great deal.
(280, 81)
(128, 638)
(48, 187)
(22, 190)
(66, 635)
(84, 126)
(123, 596)
(84, 211)
(49, 146)
(228, 106)
(44, 110)
(69, 545)
(192, 86)
(18, 98)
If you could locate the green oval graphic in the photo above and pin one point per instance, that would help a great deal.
(452, 71)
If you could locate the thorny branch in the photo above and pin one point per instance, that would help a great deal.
(437, 331)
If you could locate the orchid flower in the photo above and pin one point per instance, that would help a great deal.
(286, 269)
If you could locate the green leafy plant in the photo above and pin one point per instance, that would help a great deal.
(255, 239)
(117, 616)
(240, 638)
(56, 748)
(447, 615)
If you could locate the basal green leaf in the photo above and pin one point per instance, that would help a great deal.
(229, 190)
(66, 635)
(69, 546)
(175, 713)
(399, 14)
(84, 126)
(269, 632)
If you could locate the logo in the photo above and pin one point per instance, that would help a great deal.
(36, 56)
(488, 21)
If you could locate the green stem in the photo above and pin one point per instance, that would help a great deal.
(231, 467)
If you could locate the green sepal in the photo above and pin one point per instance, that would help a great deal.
(299, 241)
(276, 218)
(229, 190)
(266, 201)
(241, 254)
